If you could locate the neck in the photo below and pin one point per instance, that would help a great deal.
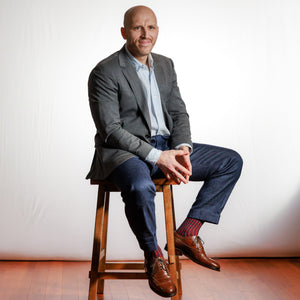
(143, 60)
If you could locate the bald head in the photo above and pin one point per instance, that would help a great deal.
(133, 11)
(140, 31)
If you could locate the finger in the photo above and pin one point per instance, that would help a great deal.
(183, 170)
(168, 176)
(179, 177)
(188, 164)
(187, 177)
(181, 152)
(172, 175)
(184, 159)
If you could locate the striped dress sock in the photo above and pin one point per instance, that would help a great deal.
(189, 227)
(154, 254)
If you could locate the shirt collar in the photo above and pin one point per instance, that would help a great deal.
(138, 65)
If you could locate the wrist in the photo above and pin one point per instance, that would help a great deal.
(184, 148)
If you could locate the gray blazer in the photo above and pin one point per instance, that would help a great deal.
(120, 112)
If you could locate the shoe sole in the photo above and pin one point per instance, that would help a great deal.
(160, 293)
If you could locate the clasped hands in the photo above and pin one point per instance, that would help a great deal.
(176, 164)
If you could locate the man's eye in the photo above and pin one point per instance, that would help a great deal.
(137, 27)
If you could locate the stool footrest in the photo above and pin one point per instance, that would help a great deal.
(121, 275)
(124, 266)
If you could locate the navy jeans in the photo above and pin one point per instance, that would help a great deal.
(219, 169)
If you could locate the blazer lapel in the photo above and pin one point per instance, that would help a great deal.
(158, 71)
(159, 76)
(135, 84)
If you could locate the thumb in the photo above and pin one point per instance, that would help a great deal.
(181, 152)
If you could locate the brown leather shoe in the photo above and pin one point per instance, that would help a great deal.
(192, 247)
(160, 281)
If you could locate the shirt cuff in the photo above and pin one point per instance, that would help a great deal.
(153, 156)
(184, 144)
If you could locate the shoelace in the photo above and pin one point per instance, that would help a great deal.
(162, 265)
(199, 241)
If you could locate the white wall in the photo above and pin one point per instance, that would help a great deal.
(238, 69)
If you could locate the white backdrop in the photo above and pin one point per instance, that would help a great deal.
(238, 69)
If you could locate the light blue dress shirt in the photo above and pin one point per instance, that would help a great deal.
(148, 80)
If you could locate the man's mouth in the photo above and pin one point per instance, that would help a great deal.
(145, 42)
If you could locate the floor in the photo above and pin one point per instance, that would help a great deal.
(240, 279)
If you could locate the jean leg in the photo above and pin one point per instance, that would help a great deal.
(219, 168)
(138, 193)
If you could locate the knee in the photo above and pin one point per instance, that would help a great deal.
(140, 193)
(237, 162)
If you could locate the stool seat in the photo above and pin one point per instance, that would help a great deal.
(109, 186)
(101, 269)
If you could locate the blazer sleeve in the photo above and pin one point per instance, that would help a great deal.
(104, 104)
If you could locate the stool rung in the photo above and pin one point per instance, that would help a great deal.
(124, 266)
(122, 275)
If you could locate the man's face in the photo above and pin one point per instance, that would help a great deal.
(141, 33)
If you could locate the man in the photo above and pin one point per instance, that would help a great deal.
(143, 132)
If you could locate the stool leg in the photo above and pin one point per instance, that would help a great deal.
(178, 271)
(103, 244)
(169, 219)
(178, 265)
(96, 245)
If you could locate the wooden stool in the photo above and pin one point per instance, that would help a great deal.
(99, 265)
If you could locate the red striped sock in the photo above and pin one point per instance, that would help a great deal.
(189, 227)
(154, 254)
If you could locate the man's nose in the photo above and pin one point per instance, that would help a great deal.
(145, 33)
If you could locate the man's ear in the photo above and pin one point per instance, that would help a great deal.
(123, 32)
